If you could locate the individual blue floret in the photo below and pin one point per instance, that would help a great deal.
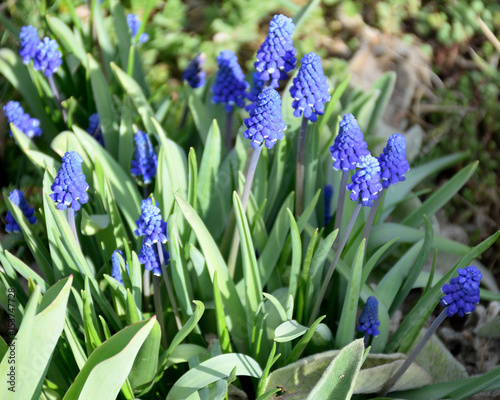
(230, 85)
(145, 160)
(115, 265)
(94, 128)
(366, 184)
(310, 88)
(462, 293)
(150, 224)
(393, 163)
(29, 43)
(368, 322)
(276, 55)
(16, 115)
(148, 256)
(328, 196)
(349, 145)
(265, 124)
(17, 198)
(47, 57)
(70, 187)
(194, 73)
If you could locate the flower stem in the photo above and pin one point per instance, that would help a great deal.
(371, 217)
(169, 287)
(184, 116)
(416, 351)
(72, 224)
(58, 98)
(229, 130)
(299, 177)
(329, 274)
(252, 166)
(340, 204)
(159, 310)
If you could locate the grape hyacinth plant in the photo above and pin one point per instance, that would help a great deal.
(115, 266)
(94, 128)
(368, 322)
(17, 199)
(134, 24)
(310, 93)
(145, 160)
(15, 115)
(229, 89)
(194, 73)
(29, 43)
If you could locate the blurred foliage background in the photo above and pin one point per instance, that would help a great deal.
(453, 93)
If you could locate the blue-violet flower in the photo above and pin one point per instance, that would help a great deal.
(230, 85)
(265, 124)
(148, 256)
(29, 43)
(462, 293)
(16, 115)
(145, 160)
(94, 128)
(194, 73)
(349, 145)
(17, 198)
(150, 224)
(393, 163)
(115, 265)
(276, 55)
(368, 321)
(134, 24)
(328, 195)
(70, 187)
(47, 57)
(310, 88)
(366, 184)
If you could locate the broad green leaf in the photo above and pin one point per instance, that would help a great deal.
(183, 353)
(275, 302)
(91, 224)
(220, 319)
(36, 339)
(288, 331)
(25, 271)
(212, 370)
(347, 323)
(91, 327)
(201, 117)
(338, 380)
(109, 365)
(67, 38)
(105, 43)
(303, 342)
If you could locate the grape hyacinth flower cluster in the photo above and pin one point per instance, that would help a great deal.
(393, 163)
(47, 58)
(94, 128)
(194, 73)
(265, 125)
(368, 322)
(15, 115)
(230, 85)
(310, 88)
(462, 293)
(115, 265)
(150, 224)
(145, 160)
(276, 55)
(349, 145)
(148, 256)
(134, 24)
(17, 198)
(29, 43)
(70, 187)
(365, 184)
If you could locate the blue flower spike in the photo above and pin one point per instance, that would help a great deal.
(310, 88)
(194, 73)
(230, 85)
(349, 145)
(94, 128)
(365, 185)
(17, 198)
(70, 187)
(393, 163)
(15, 115)
(148, 256)
(276, 55)
(265, 125)
(462, 293)
(150, 224)
(145, 160)
(368, 322)
(115, 265)
(29, 43)
(47, 57)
